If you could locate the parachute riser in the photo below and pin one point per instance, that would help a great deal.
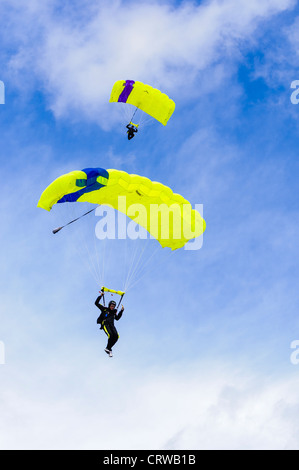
(119, 302)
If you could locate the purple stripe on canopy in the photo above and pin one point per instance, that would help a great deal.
(126, 91)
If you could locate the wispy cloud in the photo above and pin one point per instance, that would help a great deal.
(215, 407)
(162, 44)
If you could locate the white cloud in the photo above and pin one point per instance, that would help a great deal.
(160, 44)
(113, 406)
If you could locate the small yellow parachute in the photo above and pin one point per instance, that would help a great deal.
(146, 98)
(167, 216)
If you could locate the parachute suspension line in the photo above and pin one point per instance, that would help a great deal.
(147, 271)
(85, 251)
(97, 254)
(134, 114)
(72, 221)
(140, 271)
(123, 264)
(103, 260)
(125, 260)
(136, 266)
(92, 259)
(131, 251)
(142, 118)
(100, 257)
(88, 265)
(132, 264)
(89, 260)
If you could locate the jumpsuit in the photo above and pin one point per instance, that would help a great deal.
(106, 320)
(131, 131)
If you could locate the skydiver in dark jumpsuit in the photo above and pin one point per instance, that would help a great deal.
(131, 131)
(106, 320)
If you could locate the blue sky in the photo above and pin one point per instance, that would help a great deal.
(203, 360)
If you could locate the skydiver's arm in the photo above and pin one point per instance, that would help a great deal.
(119, 315)
(97, 303)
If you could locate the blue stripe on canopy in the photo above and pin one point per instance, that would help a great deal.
(91, 184)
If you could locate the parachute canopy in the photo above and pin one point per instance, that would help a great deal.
(167, 216)
(150, 100)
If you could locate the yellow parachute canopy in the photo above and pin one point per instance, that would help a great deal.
(150, 100)
(167, 216)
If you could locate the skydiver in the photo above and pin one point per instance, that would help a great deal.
(106, 320)
(131, 131)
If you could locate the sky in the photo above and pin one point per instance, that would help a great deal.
(207, 355)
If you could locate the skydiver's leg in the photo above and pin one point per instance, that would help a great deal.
(113, 337)
(107, 330)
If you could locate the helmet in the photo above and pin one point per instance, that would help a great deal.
(112, 302)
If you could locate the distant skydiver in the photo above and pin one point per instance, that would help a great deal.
(106, 320)
(131, 130)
